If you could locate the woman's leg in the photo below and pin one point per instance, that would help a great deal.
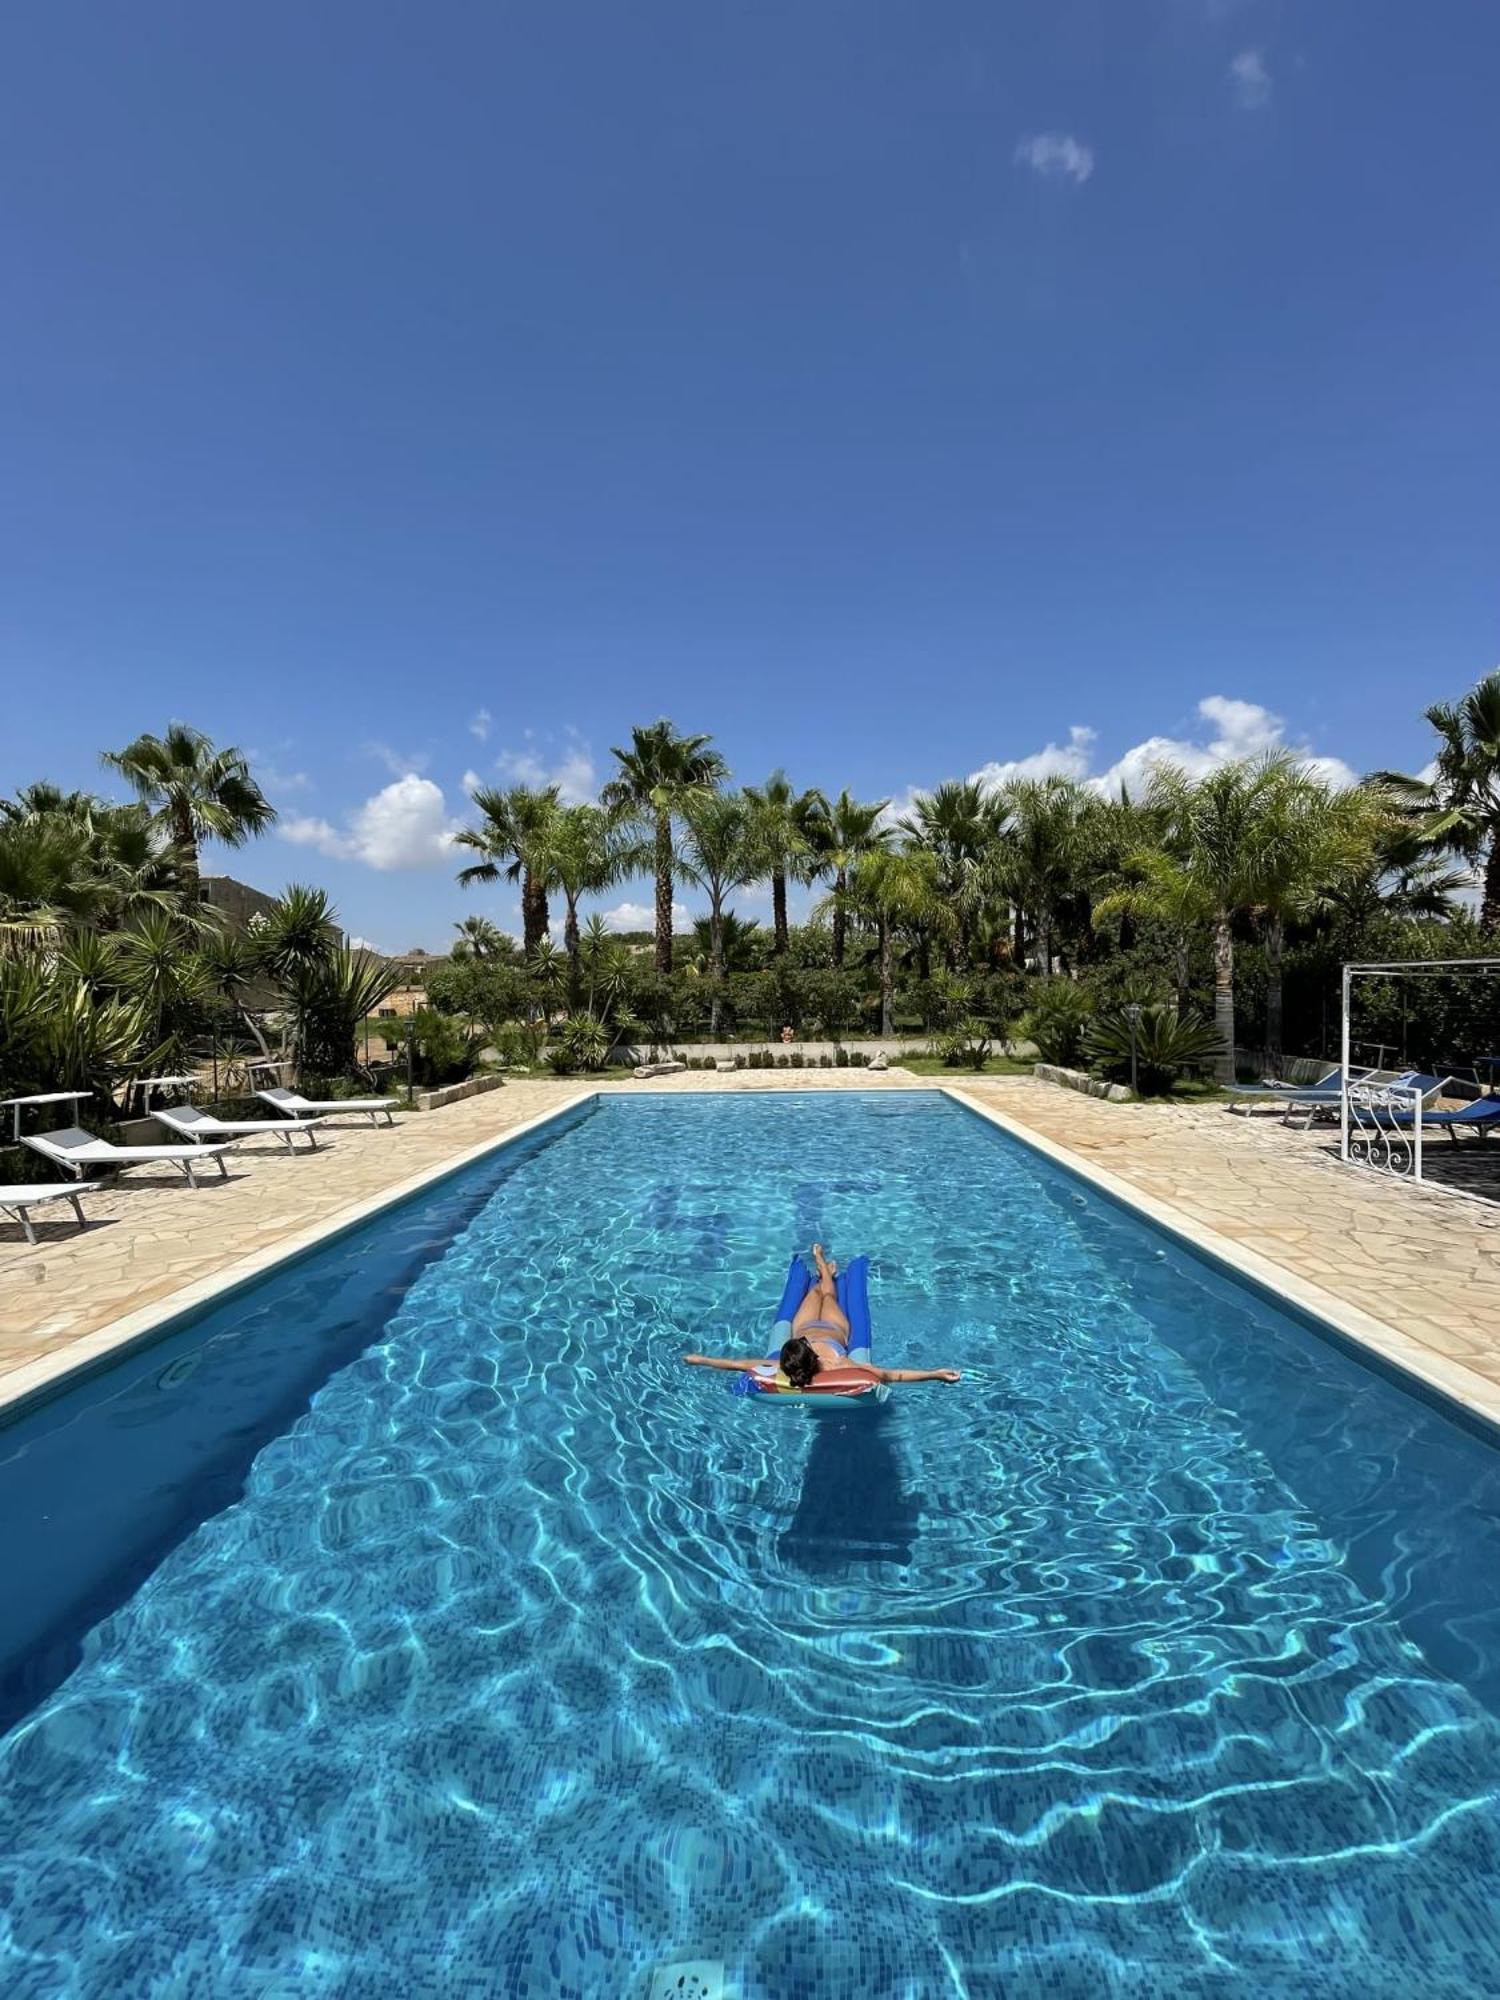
(822, 1301)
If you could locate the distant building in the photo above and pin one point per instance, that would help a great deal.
(236, 900)
(414, 965)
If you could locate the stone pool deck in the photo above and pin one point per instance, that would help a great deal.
(1414, 1272)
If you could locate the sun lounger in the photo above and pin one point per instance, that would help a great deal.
(72, 1147)
(292, 1105)
(202, 1127)
(1315, 1100)
(1270, 1091)
(1478, 1116)
(17, 1200)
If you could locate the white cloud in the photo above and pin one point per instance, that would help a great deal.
(572, 770)
(1234, 729)
(471, 781)
(1252, 79)
(1053, 760)
(642, 917)
(479, 725)
(404, 826)
(365, 944)
(1056, 156)
(1237, 729)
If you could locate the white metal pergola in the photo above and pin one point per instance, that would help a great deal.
(1382, 1120)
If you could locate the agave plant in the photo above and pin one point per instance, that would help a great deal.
(1167, 1045)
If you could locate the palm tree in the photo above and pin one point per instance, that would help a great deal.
(660, 775)
(1322, 838)
(738, 944)
(1039, 857)
(1222, 851)
(588, 850)
(892, 888)
(478, 938)
(848, 830)
(516, 842)
(786, 824)
(197, 793)
(959, 824)
(721, 852)
(1459, 808)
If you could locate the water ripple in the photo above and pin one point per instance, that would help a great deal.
(528, 1661)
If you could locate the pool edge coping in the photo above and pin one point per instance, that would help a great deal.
(48, 1375)
(1388, 1345)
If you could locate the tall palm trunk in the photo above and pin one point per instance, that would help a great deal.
(663, 891)
(884, 930)
(1224, 998)
(188, 874)
(1275, 937)
(1020, 936)
(840, 919)
(1043, 930)
(1489, 907)
(536, 918)
(715, 962)
(572, 947)
(778, 912)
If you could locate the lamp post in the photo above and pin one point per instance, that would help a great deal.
(1133, 1015)
(411, 1023)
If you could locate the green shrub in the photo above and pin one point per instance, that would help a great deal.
(965, 1047)
(581, 1044)
(859, 1059)
(1059, 1013)
(1166, 1046)
(442, 1049)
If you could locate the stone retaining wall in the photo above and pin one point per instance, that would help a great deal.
(1076, 1079)
(450, 1093)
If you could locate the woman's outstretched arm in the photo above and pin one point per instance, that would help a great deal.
(918, 1374)
(720, 1361)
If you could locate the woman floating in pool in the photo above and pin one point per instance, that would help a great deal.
(820, 1340)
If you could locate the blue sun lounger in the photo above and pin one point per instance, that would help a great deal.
(1478, 1116)
(1327, 1089)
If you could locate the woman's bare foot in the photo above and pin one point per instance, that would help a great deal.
(826, 1271)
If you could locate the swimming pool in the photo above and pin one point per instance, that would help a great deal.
(413, 1623)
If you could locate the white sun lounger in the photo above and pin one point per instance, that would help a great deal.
(17, 1200)
(202, 1126)
(73, 1147)
(292, 1105)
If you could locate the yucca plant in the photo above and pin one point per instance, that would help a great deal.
(582, 1043)
(1167, 1045)
(327, 1002)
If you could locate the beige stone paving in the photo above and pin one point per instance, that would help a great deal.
(1421, 1262)
(1421, 1265)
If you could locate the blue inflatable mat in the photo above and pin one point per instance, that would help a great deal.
(853, 1290)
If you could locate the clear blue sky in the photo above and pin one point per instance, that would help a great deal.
(890, 390)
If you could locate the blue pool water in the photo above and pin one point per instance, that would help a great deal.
(414, 1624)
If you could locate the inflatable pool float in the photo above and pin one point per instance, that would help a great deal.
(853, 1288)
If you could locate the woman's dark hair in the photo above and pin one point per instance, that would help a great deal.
(799, 1361)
